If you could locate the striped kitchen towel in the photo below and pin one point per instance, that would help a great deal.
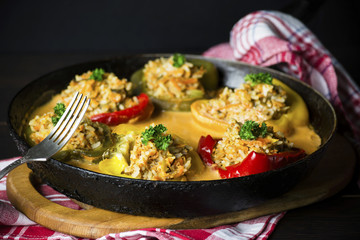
(268, 38)
(15, 225)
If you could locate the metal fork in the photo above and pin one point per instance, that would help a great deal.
(58, 137)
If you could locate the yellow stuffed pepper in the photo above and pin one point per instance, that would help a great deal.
(150, 154)
(261, 98)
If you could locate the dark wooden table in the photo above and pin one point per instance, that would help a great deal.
(337, 217)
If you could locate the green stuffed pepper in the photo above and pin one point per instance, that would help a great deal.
(88, 143)
(174, 83)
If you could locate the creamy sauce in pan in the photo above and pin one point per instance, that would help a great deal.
(183, 125)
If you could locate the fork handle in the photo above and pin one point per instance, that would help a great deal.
(17, 163)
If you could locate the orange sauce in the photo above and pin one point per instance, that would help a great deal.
(183, 125)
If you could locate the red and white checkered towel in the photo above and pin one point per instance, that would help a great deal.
(269, 38)
(263, 38)
(15, 225)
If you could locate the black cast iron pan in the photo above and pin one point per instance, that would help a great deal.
(157, 198)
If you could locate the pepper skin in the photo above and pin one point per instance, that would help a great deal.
(123, 116)
(205, 148)
(254, 162)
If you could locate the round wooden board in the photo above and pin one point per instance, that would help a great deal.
(331, 175)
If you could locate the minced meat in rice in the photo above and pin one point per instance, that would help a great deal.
(260, 103)
(231, 149)
(164, 80)
(107, 95)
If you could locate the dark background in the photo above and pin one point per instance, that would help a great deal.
(114, 26)
(37, 37)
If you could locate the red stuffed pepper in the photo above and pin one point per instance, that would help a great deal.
(246, 149)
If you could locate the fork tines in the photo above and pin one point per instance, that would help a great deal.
(70, 120)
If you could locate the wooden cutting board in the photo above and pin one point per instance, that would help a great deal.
(331, 175)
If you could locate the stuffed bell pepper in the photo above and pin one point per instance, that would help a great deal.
(149, 153)
(88, 143)
(112, 102)
(175, 82)
(246, 149)
(260, 98)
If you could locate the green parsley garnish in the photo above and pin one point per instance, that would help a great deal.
(155, 134)
(251, 130)
(163, 142)
(178, 59)
(257, 78)
(97, 74)
(59, 110)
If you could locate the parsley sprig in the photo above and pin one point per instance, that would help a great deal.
(179, 60)
(251, 130)
(59, 110)
(257, 78)
(97, 74)
(156, 134)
